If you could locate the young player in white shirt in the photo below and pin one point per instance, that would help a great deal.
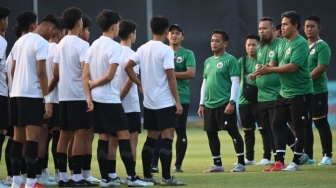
(100, 81)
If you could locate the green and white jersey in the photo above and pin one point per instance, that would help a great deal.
(268, 85)
(299, 82)
(319, 55)
(183, 59)
(217, 73)
(250, 68)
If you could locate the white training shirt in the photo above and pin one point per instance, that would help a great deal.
(154, 58)
(70, 53)
(50, 71)
(9, 63)
(131, 100)
(3, 69)
(103, 52)
(30, 49)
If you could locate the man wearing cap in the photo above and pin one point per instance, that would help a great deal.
(185, 65)
(4, 13)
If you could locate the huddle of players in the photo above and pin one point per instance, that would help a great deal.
(72, 85)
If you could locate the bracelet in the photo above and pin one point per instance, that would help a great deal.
(47, 99)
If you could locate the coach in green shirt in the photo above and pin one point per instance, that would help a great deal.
(290, 60)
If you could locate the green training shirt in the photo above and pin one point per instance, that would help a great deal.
(299, 82)
(218, 72)
(250, 68)
(268, 85)
(319, 55)
(183, 59)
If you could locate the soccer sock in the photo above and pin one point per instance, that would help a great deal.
(15, 157)
(70, 163)
(23, 165)
(324, 130)
(31, 158)
(112, 166)
(55, 138)
(62, 162)
(39, 166)
(126, 156)
(214, 143)
(166, 155)
(7, 158)
(157, 147)
(181, 144)
(308, 145)
(77, 162)
(281, 156)
(87, 162)
(46, 156)
(2, 140)
(146, 154)
(238, 144)
(102, 155)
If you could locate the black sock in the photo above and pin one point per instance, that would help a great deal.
(2, 140)
(214, 145)
(16, 157)
(102, 155)
(39, 165)
(31, 158)
(126, 156)
(238, 144)
(166, 154)
(46, 155)
(87, 162)
(23, 166)
(55, 138)
(281, 157)
(112, 166)
(7, 158)
(181, 146)
(157, 147)
(146, 154)
(62, 161)
(70, 163)
(77, 162)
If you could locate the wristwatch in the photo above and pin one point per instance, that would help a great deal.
(232, 102)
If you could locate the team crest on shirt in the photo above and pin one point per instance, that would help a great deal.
(220, 65)
(271, 54)
(312, 51)
(288, 51)
(178, 59)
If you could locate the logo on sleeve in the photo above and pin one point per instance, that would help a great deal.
(220, 65)
(178, 59)
(312, 51)
(271, 54)
(288, 51)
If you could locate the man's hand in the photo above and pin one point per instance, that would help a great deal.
(179, 108)
(229, 108)
(48, 110)
(89, 105)
(201, 111)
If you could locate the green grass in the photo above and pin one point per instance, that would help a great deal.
(198, 158)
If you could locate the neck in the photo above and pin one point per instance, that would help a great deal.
(219, 53)
(161, 38)
(74, 31)
(126, 43)
(295, 34)
(53, 40)
(311, 40)
(252, 56)
(175, 47)
(109, 34)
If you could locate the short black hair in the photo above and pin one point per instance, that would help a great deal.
(71, 16)
(52, 19)
(278, 27)
(159, 24)
(225, 35)
(24, 19)
(107, 18)
(314, 18)
(293, 16)
(4, 12)
(126, 27)
(86, 21)
(61, 22)
(270, 19)
(253, 36)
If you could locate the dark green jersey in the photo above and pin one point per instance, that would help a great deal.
(299, 82)
(319, 55)
(217, 73)
(268, 85)
(183, 59)
(250, 68)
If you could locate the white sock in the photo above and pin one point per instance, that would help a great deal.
(31, 181)
(113, 175)
(64, 176)
(86, 173)
(17, 180)
(77, 177)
